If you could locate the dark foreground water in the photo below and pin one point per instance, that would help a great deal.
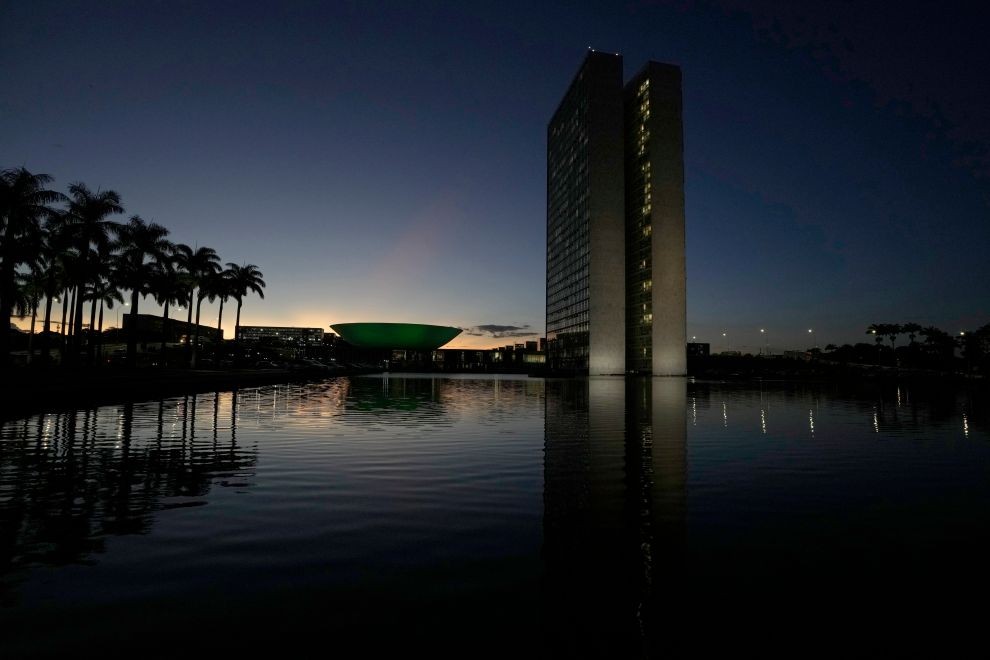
(500, 516)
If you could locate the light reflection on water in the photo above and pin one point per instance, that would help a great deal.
(588, 515)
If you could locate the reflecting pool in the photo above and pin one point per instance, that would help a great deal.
(493, 515)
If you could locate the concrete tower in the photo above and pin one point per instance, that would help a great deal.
(616, 285)
(585, 223)
(656, 281)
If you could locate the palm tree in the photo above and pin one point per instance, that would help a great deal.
(244, 280)
(911, 329)
(24, 202)
(26, 302)
(878, 330)
(89, 224)
(894, 329)
(205, 290)
(142, 246)
(72, 268)
(196, 266)
(933, 335)
(107, 292)
(103, 269)
(222, 287)
(54, 256)
(214, 286)
(168, 288)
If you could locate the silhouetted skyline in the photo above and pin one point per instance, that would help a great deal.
(386, 162)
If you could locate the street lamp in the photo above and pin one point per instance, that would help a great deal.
(810, 332)
(766, 341)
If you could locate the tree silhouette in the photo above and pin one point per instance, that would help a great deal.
(26, 302)
(197, 265)
(107, 292)
(141, 247)
(25, 202)
(221, 286)
(168, 288)
(911, 330)
(245, 279)
(51, 259)
(67, 255)
(88, 225)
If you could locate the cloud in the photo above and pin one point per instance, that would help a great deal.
(499, 331)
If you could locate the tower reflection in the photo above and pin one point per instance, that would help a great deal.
(614, 513)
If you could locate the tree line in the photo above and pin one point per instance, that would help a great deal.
(927, 347)
(68, 248)
(933, 337)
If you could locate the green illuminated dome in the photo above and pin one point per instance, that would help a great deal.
(407, 336)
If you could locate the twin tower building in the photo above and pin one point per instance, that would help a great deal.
(616, 284)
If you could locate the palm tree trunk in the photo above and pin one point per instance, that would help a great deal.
(34, 316)
(6, 309)
(237, 323)
(69, 320)
(99, 345)
(132, 334)
(92, 329)
(61, 329)
(195, 344)
(45, 329)
(216, 360)
(189, 327)
(77, 331)
(164, 331)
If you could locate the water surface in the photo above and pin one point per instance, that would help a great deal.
(483, 515)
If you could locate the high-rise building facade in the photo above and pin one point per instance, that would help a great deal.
(616, 285)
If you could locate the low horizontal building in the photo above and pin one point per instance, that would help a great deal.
(152, 326)
(282, 334)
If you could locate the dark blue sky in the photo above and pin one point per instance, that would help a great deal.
(386, 161)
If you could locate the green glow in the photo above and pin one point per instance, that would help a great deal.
(405, 336)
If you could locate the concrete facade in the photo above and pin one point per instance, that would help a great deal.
(585, 226)
(606, 235)
(666, 151)
(616, 278)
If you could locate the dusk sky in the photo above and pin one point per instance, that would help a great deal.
(386, 161)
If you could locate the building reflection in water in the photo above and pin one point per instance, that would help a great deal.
(614, 513)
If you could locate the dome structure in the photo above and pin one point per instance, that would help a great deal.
(402, 336)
